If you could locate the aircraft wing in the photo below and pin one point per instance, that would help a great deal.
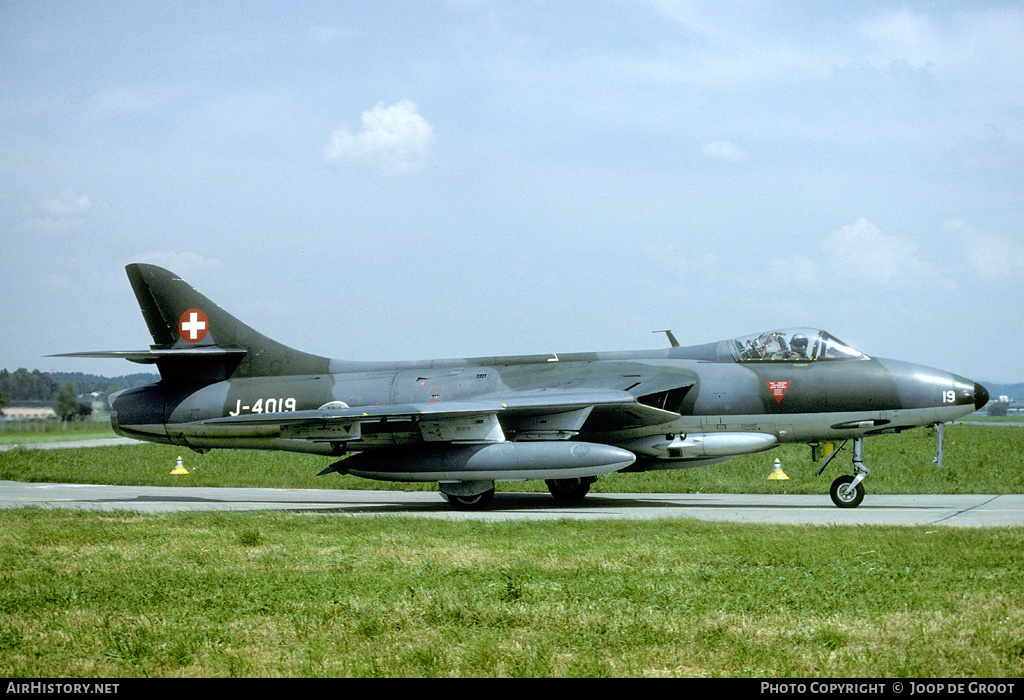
(545, 414)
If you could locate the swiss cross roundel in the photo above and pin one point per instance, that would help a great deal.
(193, 325)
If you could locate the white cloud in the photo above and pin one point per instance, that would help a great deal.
(903, 34)
(871, 262)
(865, 251)
(325, 35)
(991, 258)
(724, 150)
(185, 265)
(394, 139)
(60, 214)
(996, 259)
(114, 101)
(797, 272)
(67, 205)
(71, 272)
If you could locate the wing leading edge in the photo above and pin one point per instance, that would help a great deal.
(543, 415)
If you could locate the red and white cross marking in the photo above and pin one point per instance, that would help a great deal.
(193, 325)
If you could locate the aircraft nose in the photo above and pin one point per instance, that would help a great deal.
(980, 396)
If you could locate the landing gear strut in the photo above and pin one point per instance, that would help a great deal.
(848, 491)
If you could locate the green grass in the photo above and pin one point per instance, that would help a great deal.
(53, 431)
(977, 459)
(231, 594)
(91, 594)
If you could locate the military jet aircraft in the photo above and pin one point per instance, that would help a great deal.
(564, 418)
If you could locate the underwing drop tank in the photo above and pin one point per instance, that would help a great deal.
(499, 461)
(699, 446)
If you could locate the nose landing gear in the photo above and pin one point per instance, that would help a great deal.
(847, 491)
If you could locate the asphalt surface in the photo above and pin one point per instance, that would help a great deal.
(956, 510)
(970, 510)
(67, 444)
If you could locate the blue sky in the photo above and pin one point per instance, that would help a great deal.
(411, 180)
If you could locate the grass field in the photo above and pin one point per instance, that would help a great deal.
(229, 594)
(51, 431)
(88, 594)
(977, 459)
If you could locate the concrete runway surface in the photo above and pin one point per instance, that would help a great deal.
(952, 510)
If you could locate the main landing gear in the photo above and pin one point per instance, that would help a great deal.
(847, 491)
(570, 490)
(467, 495)
(477, 495)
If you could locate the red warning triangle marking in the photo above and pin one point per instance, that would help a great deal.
(778, 389)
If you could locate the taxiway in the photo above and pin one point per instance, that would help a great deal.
(952, 510)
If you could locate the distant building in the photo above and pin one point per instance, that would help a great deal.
(28, 412)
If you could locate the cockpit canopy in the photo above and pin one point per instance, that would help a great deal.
(792, 345)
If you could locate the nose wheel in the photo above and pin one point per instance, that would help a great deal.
(847, 491)
(846, 494)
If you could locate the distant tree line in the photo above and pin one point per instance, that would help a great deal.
(23, 385)
(93, 383)
(62, 389)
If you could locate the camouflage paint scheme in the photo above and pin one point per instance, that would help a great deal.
(467, 423)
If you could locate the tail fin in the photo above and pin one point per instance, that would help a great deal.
(197, 341)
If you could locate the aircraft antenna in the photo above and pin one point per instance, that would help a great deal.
(671, 338)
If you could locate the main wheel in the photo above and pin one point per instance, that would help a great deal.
(569, 490)
(477, 502)
(845, 496)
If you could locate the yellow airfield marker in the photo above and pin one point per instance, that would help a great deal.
(777, 473)
(179, 468)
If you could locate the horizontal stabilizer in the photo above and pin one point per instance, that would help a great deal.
(151, 357)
